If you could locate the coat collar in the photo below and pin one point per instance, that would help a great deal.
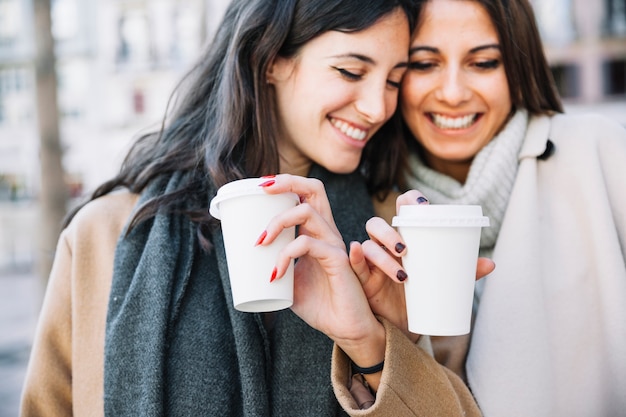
(536, 143)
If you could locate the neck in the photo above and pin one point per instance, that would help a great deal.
(299, 167)
(454, 169)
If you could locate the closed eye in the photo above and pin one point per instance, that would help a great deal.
(490, 64)
(348, 75)
(420, 66)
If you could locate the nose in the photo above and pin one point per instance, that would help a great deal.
(452, 88)
(373, 103)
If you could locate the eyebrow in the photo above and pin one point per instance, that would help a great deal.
(436, 50)
(368, 60)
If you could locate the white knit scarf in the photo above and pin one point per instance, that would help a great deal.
(489, 181)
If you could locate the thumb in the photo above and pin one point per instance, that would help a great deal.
(358, 262)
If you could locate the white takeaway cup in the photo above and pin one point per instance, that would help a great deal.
(245, 210)
(442, 251)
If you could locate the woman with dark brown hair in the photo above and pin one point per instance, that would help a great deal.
(486, 126)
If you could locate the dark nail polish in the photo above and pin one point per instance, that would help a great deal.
(267, 183)
(401, 275)
(261, 238)
(422, 200)
(274, 272)
(399, 247)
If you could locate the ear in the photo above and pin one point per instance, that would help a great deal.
(279, 70)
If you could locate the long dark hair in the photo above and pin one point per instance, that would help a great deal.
(222, 122)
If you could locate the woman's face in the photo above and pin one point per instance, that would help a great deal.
(337, 92)
(455, 96)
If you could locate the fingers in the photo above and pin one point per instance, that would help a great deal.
(380, 257)
(310, 223)
(310, 191)
(331, 258)
(484, 267)
(358, 262)
(411, 197)
(380, 231)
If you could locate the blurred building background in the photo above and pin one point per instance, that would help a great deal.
(117, 63)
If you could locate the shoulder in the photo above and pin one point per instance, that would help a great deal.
(589, 126)
(104, 217)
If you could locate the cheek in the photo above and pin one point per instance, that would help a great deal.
(413, 91)
(500, 93)
(391, 103)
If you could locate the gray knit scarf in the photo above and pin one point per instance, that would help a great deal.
(175, 346)
(489, 181)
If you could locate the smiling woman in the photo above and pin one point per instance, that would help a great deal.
(456, 95)
(350, 81)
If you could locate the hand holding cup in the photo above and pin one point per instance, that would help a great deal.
(379, 264)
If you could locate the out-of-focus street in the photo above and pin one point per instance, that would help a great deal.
(20, 300)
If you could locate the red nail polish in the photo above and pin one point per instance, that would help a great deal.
(274, 272)
(261, 238)
(267, 183)
(269, 176)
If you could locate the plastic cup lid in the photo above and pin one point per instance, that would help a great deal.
(239, 188)
(440, 215)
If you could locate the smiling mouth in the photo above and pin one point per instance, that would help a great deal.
(349, 130)
(445, 122)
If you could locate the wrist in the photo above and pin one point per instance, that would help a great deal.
(369, 351)
(356, 369)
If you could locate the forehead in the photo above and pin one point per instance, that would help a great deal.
(454, 22)
(388, 37)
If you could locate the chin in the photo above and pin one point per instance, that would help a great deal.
(341, 168)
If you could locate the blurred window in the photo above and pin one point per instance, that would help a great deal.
(65, 19)
(614, 77)
(9, 21)
(15, 96)
(555, 20)
(134, 44)
(73, 87)
(616, 17)
(567, 79)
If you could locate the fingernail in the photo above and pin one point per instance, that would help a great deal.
(274, 272)
(261, 238)
(267, 183)
(399, 247)
(422, 200)
(401, 275)
(269, 176)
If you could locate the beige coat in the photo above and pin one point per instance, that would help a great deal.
(65, 373)
(550, 336)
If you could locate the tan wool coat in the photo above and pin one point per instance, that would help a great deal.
(65, 373)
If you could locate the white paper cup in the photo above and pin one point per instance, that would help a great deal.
(442, 250)
(245, 211)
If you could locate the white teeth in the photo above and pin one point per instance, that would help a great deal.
(444, 122)
(351, 131)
